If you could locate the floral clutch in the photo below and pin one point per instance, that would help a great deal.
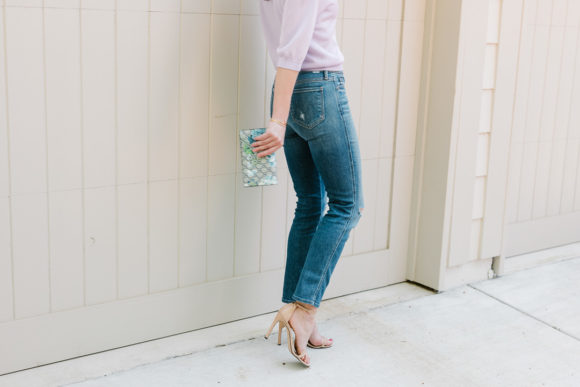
(256, 170)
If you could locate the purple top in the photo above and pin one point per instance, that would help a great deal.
(301, 34)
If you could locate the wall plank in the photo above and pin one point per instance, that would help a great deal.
(194, 95)
(220, 227)
(390, 88)
(98, 61)
(31, 263)
(4, 176)
(132, 240)
(63, 98)
(252, 68)
(100, 245)
(353, 62)
(26, 109)
(224, 86)
(373, 86)
(6, 286)
(132, 96)
(192, 230)
(383, 203)
(248, 228)
(66, 249)
(164, 95)
(163, 236)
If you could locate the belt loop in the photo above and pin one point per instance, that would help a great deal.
(325, 75)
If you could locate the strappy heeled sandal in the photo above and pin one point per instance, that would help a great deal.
(283, 320)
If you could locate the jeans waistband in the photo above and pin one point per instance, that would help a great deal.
(321, 74)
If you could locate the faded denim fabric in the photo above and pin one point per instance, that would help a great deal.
(323, 157)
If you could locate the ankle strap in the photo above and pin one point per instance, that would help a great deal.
(304, 308)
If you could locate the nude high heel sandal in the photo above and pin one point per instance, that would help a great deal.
(283, 318)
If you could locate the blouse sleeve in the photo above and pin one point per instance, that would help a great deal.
(298, 22)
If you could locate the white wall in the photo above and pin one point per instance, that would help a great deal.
(119, 166)
(543, 200)
(511, 151)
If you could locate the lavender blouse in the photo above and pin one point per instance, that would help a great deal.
(301, 34)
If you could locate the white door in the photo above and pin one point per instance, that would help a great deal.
(122, 215)
(543, 193)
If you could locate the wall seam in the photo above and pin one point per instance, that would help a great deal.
(179, 109)
(8, 155)
(267, 111)
(210, 126)
(81, 107)
(519, 185)
(358, 123)
(45, 118)
(538, 139)
(454, 138)
(553, 129)
(235, 133)
(396, 123)
(116, 118)
(148, 158)
(570, 113)
(382, 119)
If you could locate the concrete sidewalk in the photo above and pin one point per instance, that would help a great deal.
(521, 329)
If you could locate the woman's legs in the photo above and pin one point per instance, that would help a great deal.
(309, 208)
(322, 153)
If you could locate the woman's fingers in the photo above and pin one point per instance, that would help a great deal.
(269, 142)
(266, 141)
(269, 151)
(262, 136)
(266, 147)
(263, 144)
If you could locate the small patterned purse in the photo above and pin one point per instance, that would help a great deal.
(256, 170)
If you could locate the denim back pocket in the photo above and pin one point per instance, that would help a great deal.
(307, 107)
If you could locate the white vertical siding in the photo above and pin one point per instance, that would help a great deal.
(527, 145)
(6, 286)
(470, 89)
(120, 169)
(484, 129)
(543, 163)
(28, 161)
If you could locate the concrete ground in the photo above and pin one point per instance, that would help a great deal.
(521, 329)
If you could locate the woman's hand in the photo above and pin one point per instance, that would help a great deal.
(273, 138)
(270, 141)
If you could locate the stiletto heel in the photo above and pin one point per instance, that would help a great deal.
(280, 326)
(283, 318)
(270, 329)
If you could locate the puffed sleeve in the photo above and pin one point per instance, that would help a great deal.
(298, 22)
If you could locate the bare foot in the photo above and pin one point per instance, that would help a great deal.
(302, 322)
(317, 339)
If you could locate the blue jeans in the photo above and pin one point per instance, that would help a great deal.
(323, 157)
